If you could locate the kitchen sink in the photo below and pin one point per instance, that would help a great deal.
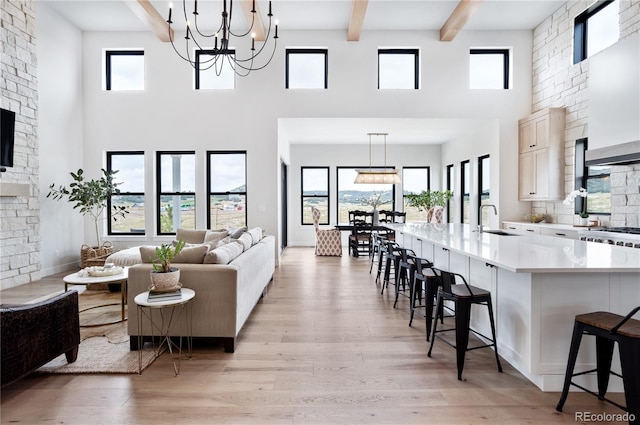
(500, 232)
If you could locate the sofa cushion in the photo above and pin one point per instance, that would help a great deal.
(246, 240)
(190, 235)
(236, 233)
(224, 254)
(256, 234)
(191, 255)
(214, 236)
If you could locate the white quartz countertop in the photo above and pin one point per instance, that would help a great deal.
(527, 253)
(555, 226)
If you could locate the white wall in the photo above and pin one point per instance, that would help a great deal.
(60, 115)
(168, 114)
(349, 156)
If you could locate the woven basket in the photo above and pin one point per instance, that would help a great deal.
(95, 256)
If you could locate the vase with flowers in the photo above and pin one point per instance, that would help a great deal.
(373, 201)
(582, 192)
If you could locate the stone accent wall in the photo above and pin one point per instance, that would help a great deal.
(20, 215)
(557, 82)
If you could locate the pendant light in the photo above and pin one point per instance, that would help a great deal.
(377, 175)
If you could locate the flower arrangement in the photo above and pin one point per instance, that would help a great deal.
(582, 192)
(373, 200)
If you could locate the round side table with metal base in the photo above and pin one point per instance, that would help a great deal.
(167, 313)
(80, 279)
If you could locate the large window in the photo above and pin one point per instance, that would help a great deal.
(124, 70)
(484, 186)
(306, 69)
(353, 196)
(176, 196)
(489, 68)
(596, 179)
(315, 193)
(595, 29)
(465, 192)
(450, 185)
(414, 180)
(398, 69)
(130, 175)
(211, 74)
(227, 189)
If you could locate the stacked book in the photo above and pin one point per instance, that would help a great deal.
(164, 295)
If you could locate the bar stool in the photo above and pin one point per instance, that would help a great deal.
(406, 270)
(377, 240)
(391, 262)
(608, 328)
(463, 296)
(422, 282)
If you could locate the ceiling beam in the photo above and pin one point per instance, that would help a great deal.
(258, 24)
(458, 19)
(148, 14)
(358, 10)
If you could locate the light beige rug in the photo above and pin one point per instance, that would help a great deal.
(103, 349)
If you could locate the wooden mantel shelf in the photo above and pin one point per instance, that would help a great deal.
(14, 189)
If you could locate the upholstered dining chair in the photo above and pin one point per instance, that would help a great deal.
(328, 241)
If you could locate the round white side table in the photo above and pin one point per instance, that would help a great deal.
(166, 310)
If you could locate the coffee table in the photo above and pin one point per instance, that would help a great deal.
(79, 279)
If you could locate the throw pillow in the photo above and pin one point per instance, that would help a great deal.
(191, 255)
(256, 234)
(214, 236)
(148, 254)
(246, 240)
(224, 254)
(190, 235)
(238, 232)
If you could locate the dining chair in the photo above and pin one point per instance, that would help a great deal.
(360, 237)
(328, 241)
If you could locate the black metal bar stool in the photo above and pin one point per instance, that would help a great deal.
(406, 270)
(377, 240)
(391, 262)
(463, 296)
(608, 328)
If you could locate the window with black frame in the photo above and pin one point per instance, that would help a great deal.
(314, 182)
(484, 186)
(227, 189)
(414, 180)
(210, 72)
(595, 29)
(130, 176)
(450, 184)
(398, 69)
(306, 68)
(124, 70)
(465, 192)
(176, 196)
(357, 196)
(489, 69)
(596, 179)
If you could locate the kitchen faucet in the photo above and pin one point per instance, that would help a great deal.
(495, 211)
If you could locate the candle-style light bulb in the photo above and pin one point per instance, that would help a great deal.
(170, 9)
(276, 35)
(195, 7)
(253, 41)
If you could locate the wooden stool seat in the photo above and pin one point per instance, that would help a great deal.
(608, 328)
(607, 321)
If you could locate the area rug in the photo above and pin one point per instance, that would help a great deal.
(103, 349)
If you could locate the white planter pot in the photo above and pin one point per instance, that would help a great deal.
(584, 221)
(161, 280)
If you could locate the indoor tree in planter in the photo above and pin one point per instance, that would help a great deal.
(163, 275)
(90, 196)
(428, 199)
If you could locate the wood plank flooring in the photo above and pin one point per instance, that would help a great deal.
(323, 347)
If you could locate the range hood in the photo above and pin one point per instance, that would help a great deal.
(614, 104)
(620, 154)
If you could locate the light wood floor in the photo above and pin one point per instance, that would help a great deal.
(323, 347)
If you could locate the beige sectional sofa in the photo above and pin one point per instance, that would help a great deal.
(225, 293)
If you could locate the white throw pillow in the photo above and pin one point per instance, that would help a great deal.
(246, 240)
(214, 236)
(224, 254)
(256, 234)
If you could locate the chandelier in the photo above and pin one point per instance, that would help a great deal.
(377, 175)
(216, 47)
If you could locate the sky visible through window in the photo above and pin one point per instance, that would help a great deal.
(227, 172)
(603, 29)
(127, 72)
(306, 71)
(219, 76)
(486, 71)
(186, 181)
(397, 71)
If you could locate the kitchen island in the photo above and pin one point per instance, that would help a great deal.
(538, 284)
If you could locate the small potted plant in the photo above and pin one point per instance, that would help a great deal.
(163, 276)
(428, 199)
(570, 199)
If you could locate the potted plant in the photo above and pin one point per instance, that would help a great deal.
(582, 192)
(428, 199)
(163, 276)
(91, 196)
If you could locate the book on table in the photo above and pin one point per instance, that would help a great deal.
(157, 296)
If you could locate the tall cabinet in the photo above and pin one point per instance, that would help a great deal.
(541, 149)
